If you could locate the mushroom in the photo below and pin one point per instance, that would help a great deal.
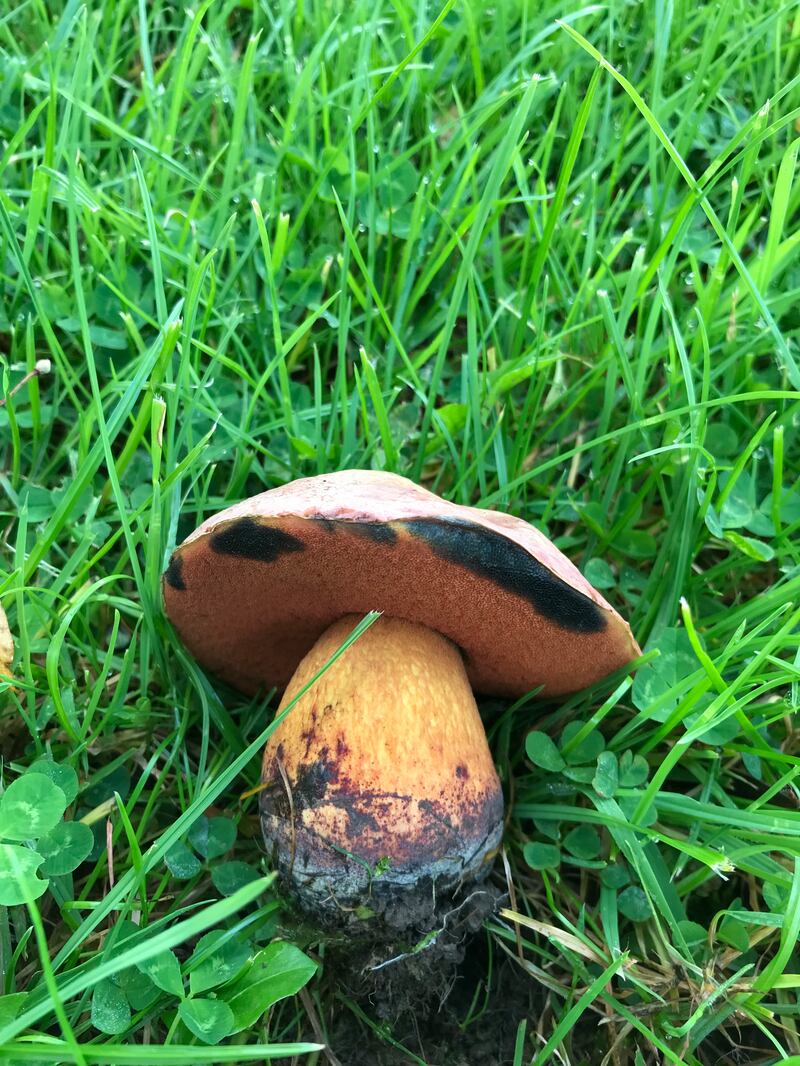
(6, 645)
(379, 783)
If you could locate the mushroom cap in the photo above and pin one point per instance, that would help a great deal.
(253, 587)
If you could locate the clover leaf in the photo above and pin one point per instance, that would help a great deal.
(65, 847)
(30, 807)
(211, 1020)
(18, 880)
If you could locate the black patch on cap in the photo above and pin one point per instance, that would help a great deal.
(249, 539)
(378, 532)
(491, 555)
(174, 573)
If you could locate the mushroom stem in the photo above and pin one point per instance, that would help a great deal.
(380, 782)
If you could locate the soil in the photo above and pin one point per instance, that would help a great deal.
(438, 1031)
(434, 989)
(433, 1001)
(416, 972)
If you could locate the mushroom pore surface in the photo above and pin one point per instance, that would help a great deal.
(380, 782)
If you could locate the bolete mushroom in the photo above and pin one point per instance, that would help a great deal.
(380, 781)
(6, 645)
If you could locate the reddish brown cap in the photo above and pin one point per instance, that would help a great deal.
(252, 589)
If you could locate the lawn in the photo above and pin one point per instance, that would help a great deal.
(537, 257)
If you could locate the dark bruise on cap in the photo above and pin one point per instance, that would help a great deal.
(378, 532)
(255, 586)
(495, 557)
(173, 575)
(249, 539)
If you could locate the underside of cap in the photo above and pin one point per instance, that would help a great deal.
(254, 587)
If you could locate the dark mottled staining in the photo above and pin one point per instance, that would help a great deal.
(327, 525)
(377, 532)
(462, 771)
(174, 573)
(493, 556)
(313, 781)
(248, 539)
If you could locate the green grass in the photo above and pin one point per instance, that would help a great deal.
(547, 266)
